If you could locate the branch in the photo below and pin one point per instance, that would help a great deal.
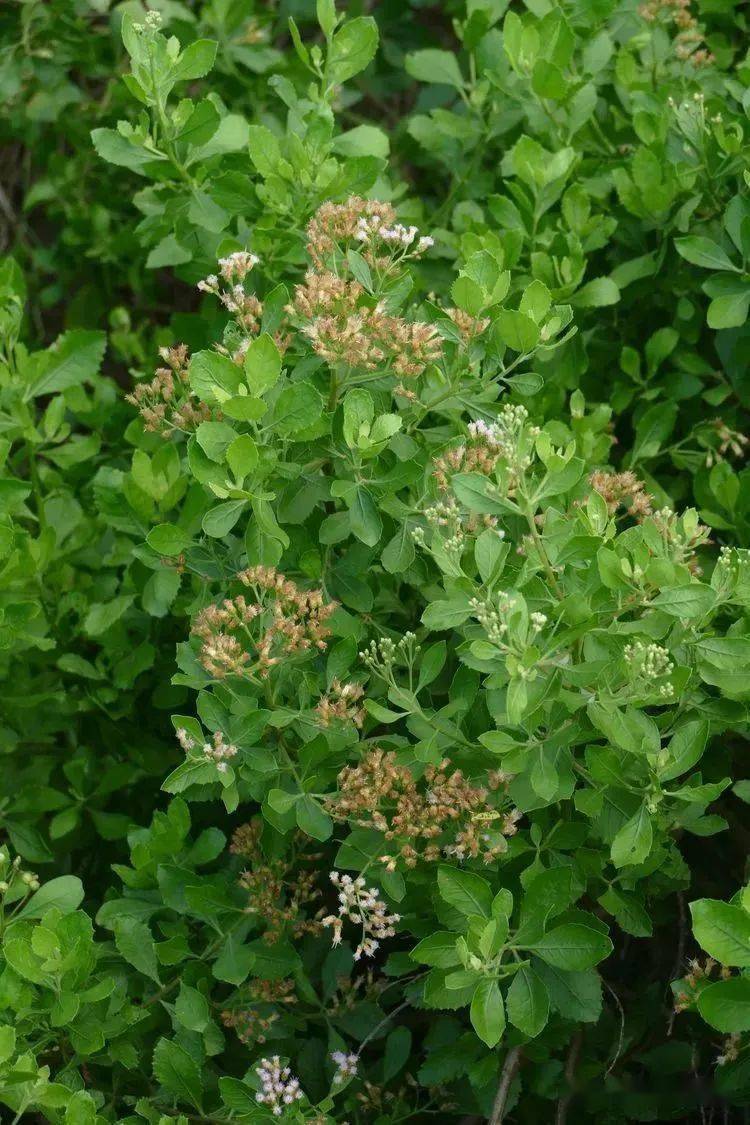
(570, 1072)
(510, 1066)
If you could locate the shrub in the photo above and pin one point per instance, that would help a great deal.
(425, 534)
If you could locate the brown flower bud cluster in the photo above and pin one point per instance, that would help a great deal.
(281, 621)
(341, 704)
(468, 326)
(280, 893)
(474, 456)
(441, 810)
(166, 404)
(254, 1016)
(687, 45)
(730, 441)
(622, 490)
(698, 973)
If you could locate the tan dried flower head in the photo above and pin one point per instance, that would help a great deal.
(622, 490)
(441, 810)
(281, 621)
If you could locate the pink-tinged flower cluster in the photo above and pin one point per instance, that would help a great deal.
(279, 1088)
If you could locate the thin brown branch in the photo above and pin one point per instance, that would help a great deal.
(508, 1073)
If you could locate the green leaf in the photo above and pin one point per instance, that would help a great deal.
(488, 1012)
(573, 947)
(167, 539)
(74, 359)
(262, 364)
(365, 519)
(195, 61)
(7, 1043)
(723, 930)
(220, 520)
(242, 456)
(596, 294)
(135, 943)
(434, 66)
(527, 1002)
(353, 48)
(312, 819)
(438, 949)
(191, 1008)
(703, 252)
(177, 1072)
(297, 407)
(234, 962)
(467, 892)
(725, 1005)
(398, 553)
(65, 893)
(632, 843)
(517, 330)
(687, 602)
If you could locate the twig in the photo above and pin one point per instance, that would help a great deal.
(561, 1115)
(618, 1052)
(510, 1066)
(680, 955)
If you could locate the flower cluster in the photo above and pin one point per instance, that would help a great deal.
(622, 490)
(366, 224)
(344, 332)
(372, 230)
(253, 1019)
(362, 905)
(687, 45)
(282, 620)
(344, 324)
(683, 535)
(441, 810)
(166, 403)
(217, 750)
(468, 326)
(496, 616)
(346, 1066)
(647, 663)
(279, 1089)
(278, 894)
(730, 441)
(10, 871)
(383, 655)
(341, 703)
(508, 439)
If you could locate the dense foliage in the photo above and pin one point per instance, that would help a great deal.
(375, 599)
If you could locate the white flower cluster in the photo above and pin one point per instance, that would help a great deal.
(363, 906)
(152, 22)
(279, 1088)
(372, 227)
(216, 751)
(502, 434)
(238, 265)
(346, 1066)
(234, 269)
